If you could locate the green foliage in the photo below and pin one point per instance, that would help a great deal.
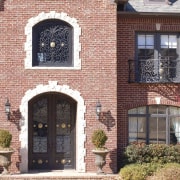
(5, 139)
(99, 138)
(153, 153)
(134, 172)
(170, 171)
(151, 171)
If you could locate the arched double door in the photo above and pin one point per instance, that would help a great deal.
(51, 128)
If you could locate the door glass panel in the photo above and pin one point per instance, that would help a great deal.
(63, 144)
(63, 126)
(40, 127)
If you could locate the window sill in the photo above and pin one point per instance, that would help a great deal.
(54, 68)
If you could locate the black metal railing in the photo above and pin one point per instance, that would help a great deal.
(164, 70)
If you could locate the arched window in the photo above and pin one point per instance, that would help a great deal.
(52, 44)
(154, 124)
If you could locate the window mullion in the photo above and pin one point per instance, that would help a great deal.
(168, 126)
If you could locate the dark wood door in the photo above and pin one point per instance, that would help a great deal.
(51, 132)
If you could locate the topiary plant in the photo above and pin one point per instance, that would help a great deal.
(99, 138)
(5, 139)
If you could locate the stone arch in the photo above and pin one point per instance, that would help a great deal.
(80, 122)
(53, 15)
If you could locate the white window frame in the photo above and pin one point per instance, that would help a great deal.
(76, 39)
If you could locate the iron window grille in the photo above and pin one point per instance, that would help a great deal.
(52, 44)
(157, 59)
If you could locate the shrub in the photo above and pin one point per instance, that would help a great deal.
(99, 138)
(133, 172)
(170, 171)
(157, 153)
(139, 171)
(5, 139)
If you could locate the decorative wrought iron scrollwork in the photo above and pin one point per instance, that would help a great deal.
(148, 72)
(54, 44)
(165, 69)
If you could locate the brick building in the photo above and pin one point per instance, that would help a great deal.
(148, 73)
(59, 58)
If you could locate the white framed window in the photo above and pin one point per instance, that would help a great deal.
(154, 124)
(157, 57)
(67, 57)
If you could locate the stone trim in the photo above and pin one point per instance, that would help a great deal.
(80, 122)
(53, 15)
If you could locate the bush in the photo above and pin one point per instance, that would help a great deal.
(5, 139)
(151, 171)
(139, 171)
(99, 138)
(170, 171)
(153, 153)
(133, 172)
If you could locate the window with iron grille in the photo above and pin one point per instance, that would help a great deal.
(157, 58)
(52, 44)
(154, 124)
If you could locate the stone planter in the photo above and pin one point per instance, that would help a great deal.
(5, 160)
(100, 159)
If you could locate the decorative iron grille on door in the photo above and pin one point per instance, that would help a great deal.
(52, 133)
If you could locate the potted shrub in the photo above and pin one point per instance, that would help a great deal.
(99, 139)
(5, 150)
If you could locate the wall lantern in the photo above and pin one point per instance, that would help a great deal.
(7, 109)
(98, 109)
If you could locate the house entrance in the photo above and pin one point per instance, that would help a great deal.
(51, 130)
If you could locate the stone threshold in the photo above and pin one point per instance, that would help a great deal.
(59, 175)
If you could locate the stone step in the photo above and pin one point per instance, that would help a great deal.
(58, 176)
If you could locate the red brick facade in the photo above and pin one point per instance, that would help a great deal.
(131, 95)
(95, 80)
(107, 42)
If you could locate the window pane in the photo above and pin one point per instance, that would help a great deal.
(141, 40)
(175, 130)
(132, 111)
(157, 130)
(172, 41)
(139, 110)
(164, 41)
(137, 129)
(150, 40)
(168, 41)
(157, 109)
(145, 42)
(174, 111)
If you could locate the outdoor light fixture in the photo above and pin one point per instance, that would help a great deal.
(7, 109)
(98, 109)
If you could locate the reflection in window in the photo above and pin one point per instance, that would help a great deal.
(160, 124)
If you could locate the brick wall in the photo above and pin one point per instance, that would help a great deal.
(96, 79)
(131, 95)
